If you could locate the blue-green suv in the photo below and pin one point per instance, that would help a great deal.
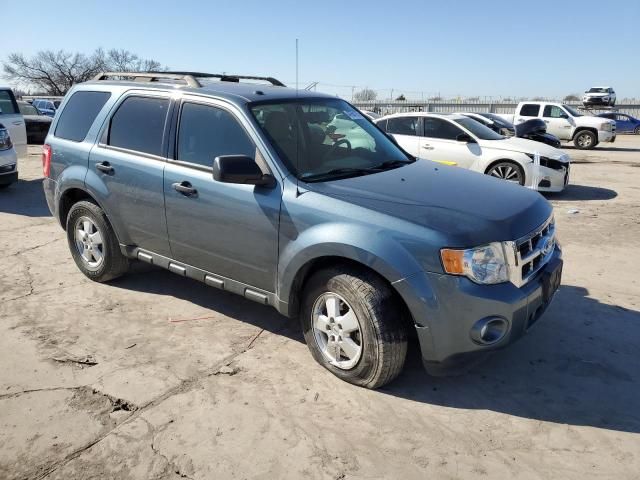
(249, 188)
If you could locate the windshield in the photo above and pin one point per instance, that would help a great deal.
(325, 139)
(572, 111)
(27, 109)
(478, 129)
(598, 90)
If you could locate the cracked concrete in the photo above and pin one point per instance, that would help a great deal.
(157, 377)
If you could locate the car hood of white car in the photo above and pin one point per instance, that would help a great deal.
(522, 145)
(597, 94)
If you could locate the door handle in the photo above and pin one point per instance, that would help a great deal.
(427, 147)
(546, 121)
(104, 167)
(185, 188)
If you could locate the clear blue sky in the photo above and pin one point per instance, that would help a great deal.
(485, 48)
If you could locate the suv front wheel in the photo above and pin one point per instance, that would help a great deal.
(93, 244)
(352, 324)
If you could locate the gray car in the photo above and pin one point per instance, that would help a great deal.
(244, 187)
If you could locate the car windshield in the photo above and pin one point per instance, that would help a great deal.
(572, 111)
(598, 90)
(326, 139)
(478, 129)
(27, 109)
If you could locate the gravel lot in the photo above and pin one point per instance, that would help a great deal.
(156, 376)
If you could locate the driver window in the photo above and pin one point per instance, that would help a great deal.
(439, 128)
(206, 132)
(552, 111)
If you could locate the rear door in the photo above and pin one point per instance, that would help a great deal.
(623, 123)
(13, 121)
(224, 228)
(406, 130)
(126, 169)
(557, 121)
(527, 112)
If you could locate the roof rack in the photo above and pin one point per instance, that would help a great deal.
(188, 78)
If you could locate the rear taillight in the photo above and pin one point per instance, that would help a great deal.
(46, 160)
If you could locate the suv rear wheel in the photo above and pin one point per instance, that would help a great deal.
(93, 244)
(352, 324)
(585, 140)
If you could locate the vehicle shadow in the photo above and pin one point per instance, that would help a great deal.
(25, 197)
(149, 279)
(582, 192)
(578, 366)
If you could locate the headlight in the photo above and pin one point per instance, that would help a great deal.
(606, 127)
(486, 264)
(5, 139)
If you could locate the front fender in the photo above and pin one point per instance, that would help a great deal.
(367, 246)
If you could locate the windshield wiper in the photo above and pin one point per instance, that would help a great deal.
(391, 164)
(337, 172)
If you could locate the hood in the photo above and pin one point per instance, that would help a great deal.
(464, 208)
(597, 94)
(523, 145)
(591, 121)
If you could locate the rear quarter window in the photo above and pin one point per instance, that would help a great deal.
(79, 114)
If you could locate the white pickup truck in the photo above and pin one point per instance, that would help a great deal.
(566, 123)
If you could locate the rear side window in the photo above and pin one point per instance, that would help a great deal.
(530, 110)
(207, 132)
(403, 125)
(138, 125)
(8, 104)
(79, 114)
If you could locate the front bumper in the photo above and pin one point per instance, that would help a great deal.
(596, 101)
(547, 179)
(445, 309)
(8, 166)
(604, 136)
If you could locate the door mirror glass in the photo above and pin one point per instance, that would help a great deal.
(240, 169)
(466, 138)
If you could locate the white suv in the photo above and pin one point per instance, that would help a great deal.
(464, 142)
(13, 121)
(599, 96)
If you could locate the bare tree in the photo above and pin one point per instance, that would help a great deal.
(573, 97)
(365, 95)
(401, 98)
(55, 72)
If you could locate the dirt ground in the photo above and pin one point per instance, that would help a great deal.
(159, 377)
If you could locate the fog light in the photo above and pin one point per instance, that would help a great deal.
(489, 330)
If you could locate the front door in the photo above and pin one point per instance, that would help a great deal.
(440, 144)
(224, 228)
(558, 122)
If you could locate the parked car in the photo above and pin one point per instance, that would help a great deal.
(534, 129)
(45, 106)
(8, 159)
(36, 123)
(624, 123)
(566, 123)
(13, 121)
(599, 96)
(224, 183)
(469, 144)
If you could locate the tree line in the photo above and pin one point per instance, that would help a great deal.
(55, 72)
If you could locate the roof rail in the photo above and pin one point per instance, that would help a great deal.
(150, 77)
(226, 77)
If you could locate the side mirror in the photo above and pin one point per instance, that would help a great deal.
(240, 169)
(466, 138)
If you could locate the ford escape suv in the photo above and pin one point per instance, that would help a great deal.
(244, 187)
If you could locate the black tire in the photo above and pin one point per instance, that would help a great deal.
(114, 263)
(637, 131)
(585, 140)
(502, 169)
(383, 335)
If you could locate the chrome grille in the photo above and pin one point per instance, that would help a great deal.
(532, 252)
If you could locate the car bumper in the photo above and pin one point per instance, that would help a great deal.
(546, 179)
(446, 308)
(606, 136)
(50, 187)
(595, 101)
(8, 166)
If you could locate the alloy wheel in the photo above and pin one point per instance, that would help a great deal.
(506, 172)
(89, 243)
(337, 330)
